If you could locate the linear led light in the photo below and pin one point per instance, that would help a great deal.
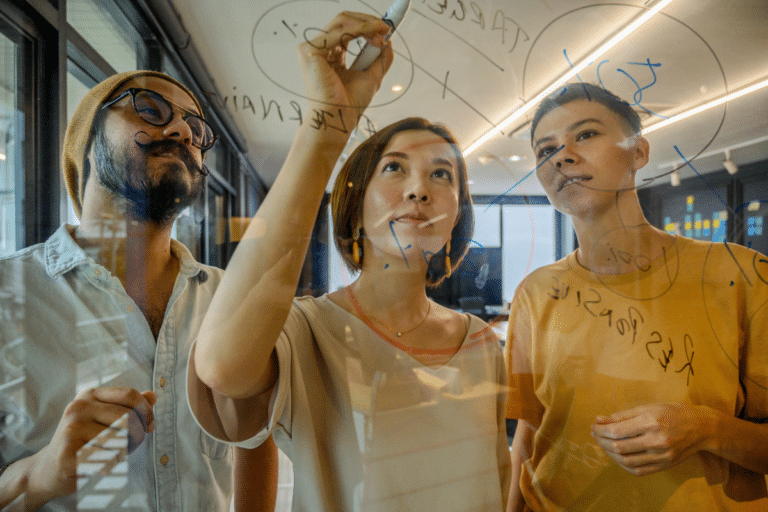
(719, 151)
(706, 106)
(584, 63)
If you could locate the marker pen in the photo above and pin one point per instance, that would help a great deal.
(392, 17)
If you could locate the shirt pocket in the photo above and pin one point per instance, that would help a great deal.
(211, 448)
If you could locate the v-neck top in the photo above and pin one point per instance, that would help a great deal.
(370, 428)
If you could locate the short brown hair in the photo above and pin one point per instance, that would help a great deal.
(352, 182)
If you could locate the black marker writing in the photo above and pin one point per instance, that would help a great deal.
(689, 359)
(272, 109)
(666, 355)
(324, 119)
(625, 325)
(640, 261)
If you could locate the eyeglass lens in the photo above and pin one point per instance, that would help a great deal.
(156, 110)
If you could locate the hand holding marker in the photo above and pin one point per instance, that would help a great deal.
(392, 17)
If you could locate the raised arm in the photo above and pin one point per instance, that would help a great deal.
(234, 350)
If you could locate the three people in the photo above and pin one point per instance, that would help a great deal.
(383, 399)
(103, 314)
(639, 354)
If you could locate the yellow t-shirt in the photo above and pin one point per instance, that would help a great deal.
(690, 327)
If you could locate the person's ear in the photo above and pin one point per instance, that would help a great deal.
(641, 151)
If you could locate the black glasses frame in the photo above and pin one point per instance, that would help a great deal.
(185, 114)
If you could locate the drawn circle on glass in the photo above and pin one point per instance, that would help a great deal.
(665, 268)
(636, 73)
(278, 32)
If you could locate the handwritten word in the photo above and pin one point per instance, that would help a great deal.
(640, 261)
(501, 22)
(626, 324)
(324, 118)
(666, 355)
(266, 107)
(271, 108)
(638, 94)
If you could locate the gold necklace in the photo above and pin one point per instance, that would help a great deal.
(399, 333)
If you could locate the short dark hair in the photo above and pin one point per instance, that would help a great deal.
(590, 92)
(352, 182)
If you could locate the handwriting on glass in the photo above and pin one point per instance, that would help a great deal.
(501, 23)
(659, 348)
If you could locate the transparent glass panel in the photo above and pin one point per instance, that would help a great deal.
(487, 225)
(529, 243)
(115, 39)
(8, 158)
(338, 273)
(76, 91)
(217, 232)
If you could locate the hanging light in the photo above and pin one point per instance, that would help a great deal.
(731, 167)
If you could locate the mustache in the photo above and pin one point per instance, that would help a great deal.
(168, 145)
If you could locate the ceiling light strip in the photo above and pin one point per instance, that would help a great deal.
(716, 152)
(573, 72)
(706, 106)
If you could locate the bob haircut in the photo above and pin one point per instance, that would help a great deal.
(589, 92)
(352, 182)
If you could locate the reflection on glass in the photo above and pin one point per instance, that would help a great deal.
(76, 90)
(217, 232)
(114, 39)
(529, 242)
(487, 226)
(8, 157)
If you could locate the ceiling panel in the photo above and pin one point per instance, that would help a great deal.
(469, 64)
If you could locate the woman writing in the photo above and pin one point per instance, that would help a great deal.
(383, 399)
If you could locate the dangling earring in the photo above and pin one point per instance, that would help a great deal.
(356, 247)
(448, 259)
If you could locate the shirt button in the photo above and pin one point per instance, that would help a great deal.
(96, 272)
(130, 308)
(164, 460)
(162, 382)
(202, 276)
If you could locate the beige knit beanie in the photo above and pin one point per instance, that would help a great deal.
(78, 137)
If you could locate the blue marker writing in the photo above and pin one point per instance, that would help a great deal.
(392, 17)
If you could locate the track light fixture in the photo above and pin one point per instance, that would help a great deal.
(731, 167)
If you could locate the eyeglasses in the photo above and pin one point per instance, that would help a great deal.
(158, 111)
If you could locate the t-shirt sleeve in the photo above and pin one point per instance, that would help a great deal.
(522, 402)
(502, 448)
(754, 357)
(220, 416)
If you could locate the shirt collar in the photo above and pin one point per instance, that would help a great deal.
(62, 254)
(188, 266)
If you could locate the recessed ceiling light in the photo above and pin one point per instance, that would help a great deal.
(515, 158)
(484, 159)
(397, 88)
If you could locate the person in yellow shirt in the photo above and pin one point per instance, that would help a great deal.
(638, 365)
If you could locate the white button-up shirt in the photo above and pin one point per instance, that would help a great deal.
(67, 324)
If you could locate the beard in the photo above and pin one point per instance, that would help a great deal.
(154, 200)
